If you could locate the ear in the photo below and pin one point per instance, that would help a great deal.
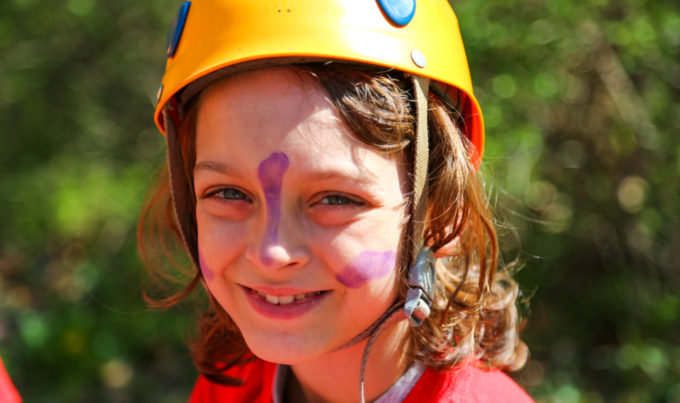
(453, 247)
(448, 249)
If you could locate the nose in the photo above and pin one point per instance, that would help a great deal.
(278, 242)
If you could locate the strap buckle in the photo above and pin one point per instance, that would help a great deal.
(421, 287)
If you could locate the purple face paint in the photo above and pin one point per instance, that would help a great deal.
(270, 173)
(365, 266)
(208, 274)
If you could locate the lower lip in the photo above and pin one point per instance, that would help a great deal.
(289, 311)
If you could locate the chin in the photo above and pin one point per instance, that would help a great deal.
(288, 349)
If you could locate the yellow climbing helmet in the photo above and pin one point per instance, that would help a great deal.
(420, 38)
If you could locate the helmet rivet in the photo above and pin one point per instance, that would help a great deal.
(418, 58)
(158, 94)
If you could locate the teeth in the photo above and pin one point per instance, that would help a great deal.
(272, 299)
(286, 299)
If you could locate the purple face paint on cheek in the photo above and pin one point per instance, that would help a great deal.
(208, 274)
(270, 173)
(365, 266)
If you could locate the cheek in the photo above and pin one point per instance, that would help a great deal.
(218, 245)
(208, 273)
(367, 265)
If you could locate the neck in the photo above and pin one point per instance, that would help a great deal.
(334, 377)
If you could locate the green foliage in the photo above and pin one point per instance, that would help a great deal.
(77, 83)
(581, 107)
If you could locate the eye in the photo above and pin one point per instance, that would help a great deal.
(337, 208)
(339, 200)
(228, 194)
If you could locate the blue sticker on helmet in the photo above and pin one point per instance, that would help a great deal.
(176, 29)
(400, 12)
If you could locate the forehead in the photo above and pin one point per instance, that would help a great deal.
(244, 119)
(254, 87)
(270, 108)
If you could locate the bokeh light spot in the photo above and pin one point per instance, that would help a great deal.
(631, 193)
(116, 373)
(80, 8)
(33, 330)
(504, 85)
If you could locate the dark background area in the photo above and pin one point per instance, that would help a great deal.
(581, 101)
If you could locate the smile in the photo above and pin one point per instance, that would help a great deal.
(286, 299)
(287, 304)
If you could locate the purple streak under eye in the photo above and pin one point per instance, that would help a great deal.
(367, 265)
(270, 173)
(208, 274)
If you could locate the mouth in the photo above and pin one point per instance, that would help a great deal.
(286, 299)
(282, 296)
(280, 303)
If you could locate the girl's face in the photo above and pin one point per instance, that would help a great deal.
(299, 223)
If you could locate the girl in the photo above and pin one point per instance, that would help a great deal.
(322, 159)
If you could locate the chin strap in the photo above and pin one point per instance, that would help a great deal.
(421, 273)
(419, 297)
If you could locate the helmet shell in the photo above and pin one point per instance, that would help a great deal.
(219, 34)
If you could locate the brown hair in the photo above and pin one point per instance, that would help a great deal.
(474, 309)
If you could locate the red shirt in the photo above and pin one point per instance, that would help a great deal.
(8, 394)
(465, 383)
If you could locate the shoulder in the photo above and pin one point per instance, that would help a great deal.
(8, 392)
(468, 382)
(257, 377)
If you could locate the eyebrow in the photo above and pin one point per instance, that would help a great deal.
(359, 176)
(216, 166)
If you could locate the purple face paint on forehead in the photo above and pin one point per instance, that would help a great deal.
(208, 274)
(270, 173)
(367, 265)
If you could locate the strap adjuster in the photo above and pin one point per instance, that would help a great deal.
(421, 288)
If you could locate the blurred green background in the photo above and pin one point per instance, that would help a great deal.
(582, 113)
